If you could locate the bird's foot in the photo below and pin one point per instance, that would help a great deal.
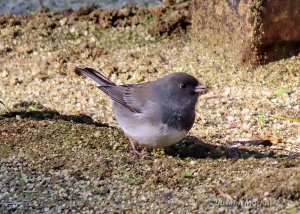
(138, 154)
(145, 155)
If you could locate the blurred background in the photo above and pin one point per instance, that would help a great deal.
(29, 6)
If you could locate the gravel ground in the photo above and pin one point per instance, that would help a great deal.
(56, 158)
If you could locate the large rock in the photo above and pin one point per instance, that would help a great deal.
(257, 31)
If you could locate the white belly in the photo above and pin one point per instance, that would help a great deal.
(148, 134)
(153, 136)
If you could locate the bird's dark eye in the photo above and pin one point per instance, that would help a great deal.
(183, 85)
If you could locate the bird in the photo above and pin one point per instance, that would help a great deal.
(155, 114)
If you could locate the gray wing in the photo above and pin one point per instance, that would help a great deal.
(133, 97)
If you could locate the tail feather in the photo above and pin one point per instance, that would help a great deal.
(94, 75)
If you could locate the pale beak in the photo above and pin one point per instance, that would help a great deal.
(200, 88)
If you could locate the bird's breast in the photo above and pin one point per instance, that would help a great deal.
(180, 119)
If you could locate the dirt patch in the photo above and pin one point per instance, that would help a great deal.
(127, 16)
(166, 19)
(162, 20)
(171, 19)
(279, 185)
(58, 165)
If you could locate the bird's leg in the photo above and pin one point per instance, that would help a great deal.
(137, 153)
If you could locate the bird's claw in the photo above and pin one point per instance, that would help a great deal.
(145, 155)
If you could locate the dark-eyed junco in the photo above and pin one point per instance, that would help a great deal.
(154, 114)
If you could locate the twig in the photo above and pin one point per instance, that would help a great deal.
(223, 194)
(220, 96)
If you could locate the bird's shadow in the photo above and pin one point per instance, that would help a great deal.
(24, 110)
(193, 147)
(189, 147)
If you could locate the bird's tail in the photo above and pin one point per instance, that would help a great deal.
(94, 75)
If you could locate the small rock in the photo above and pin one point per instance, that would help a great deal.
(63, 21)
(97, 134)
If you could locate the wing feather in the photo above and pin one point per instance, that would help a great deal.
(120, 95)
(94, 75)
(132, 97)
